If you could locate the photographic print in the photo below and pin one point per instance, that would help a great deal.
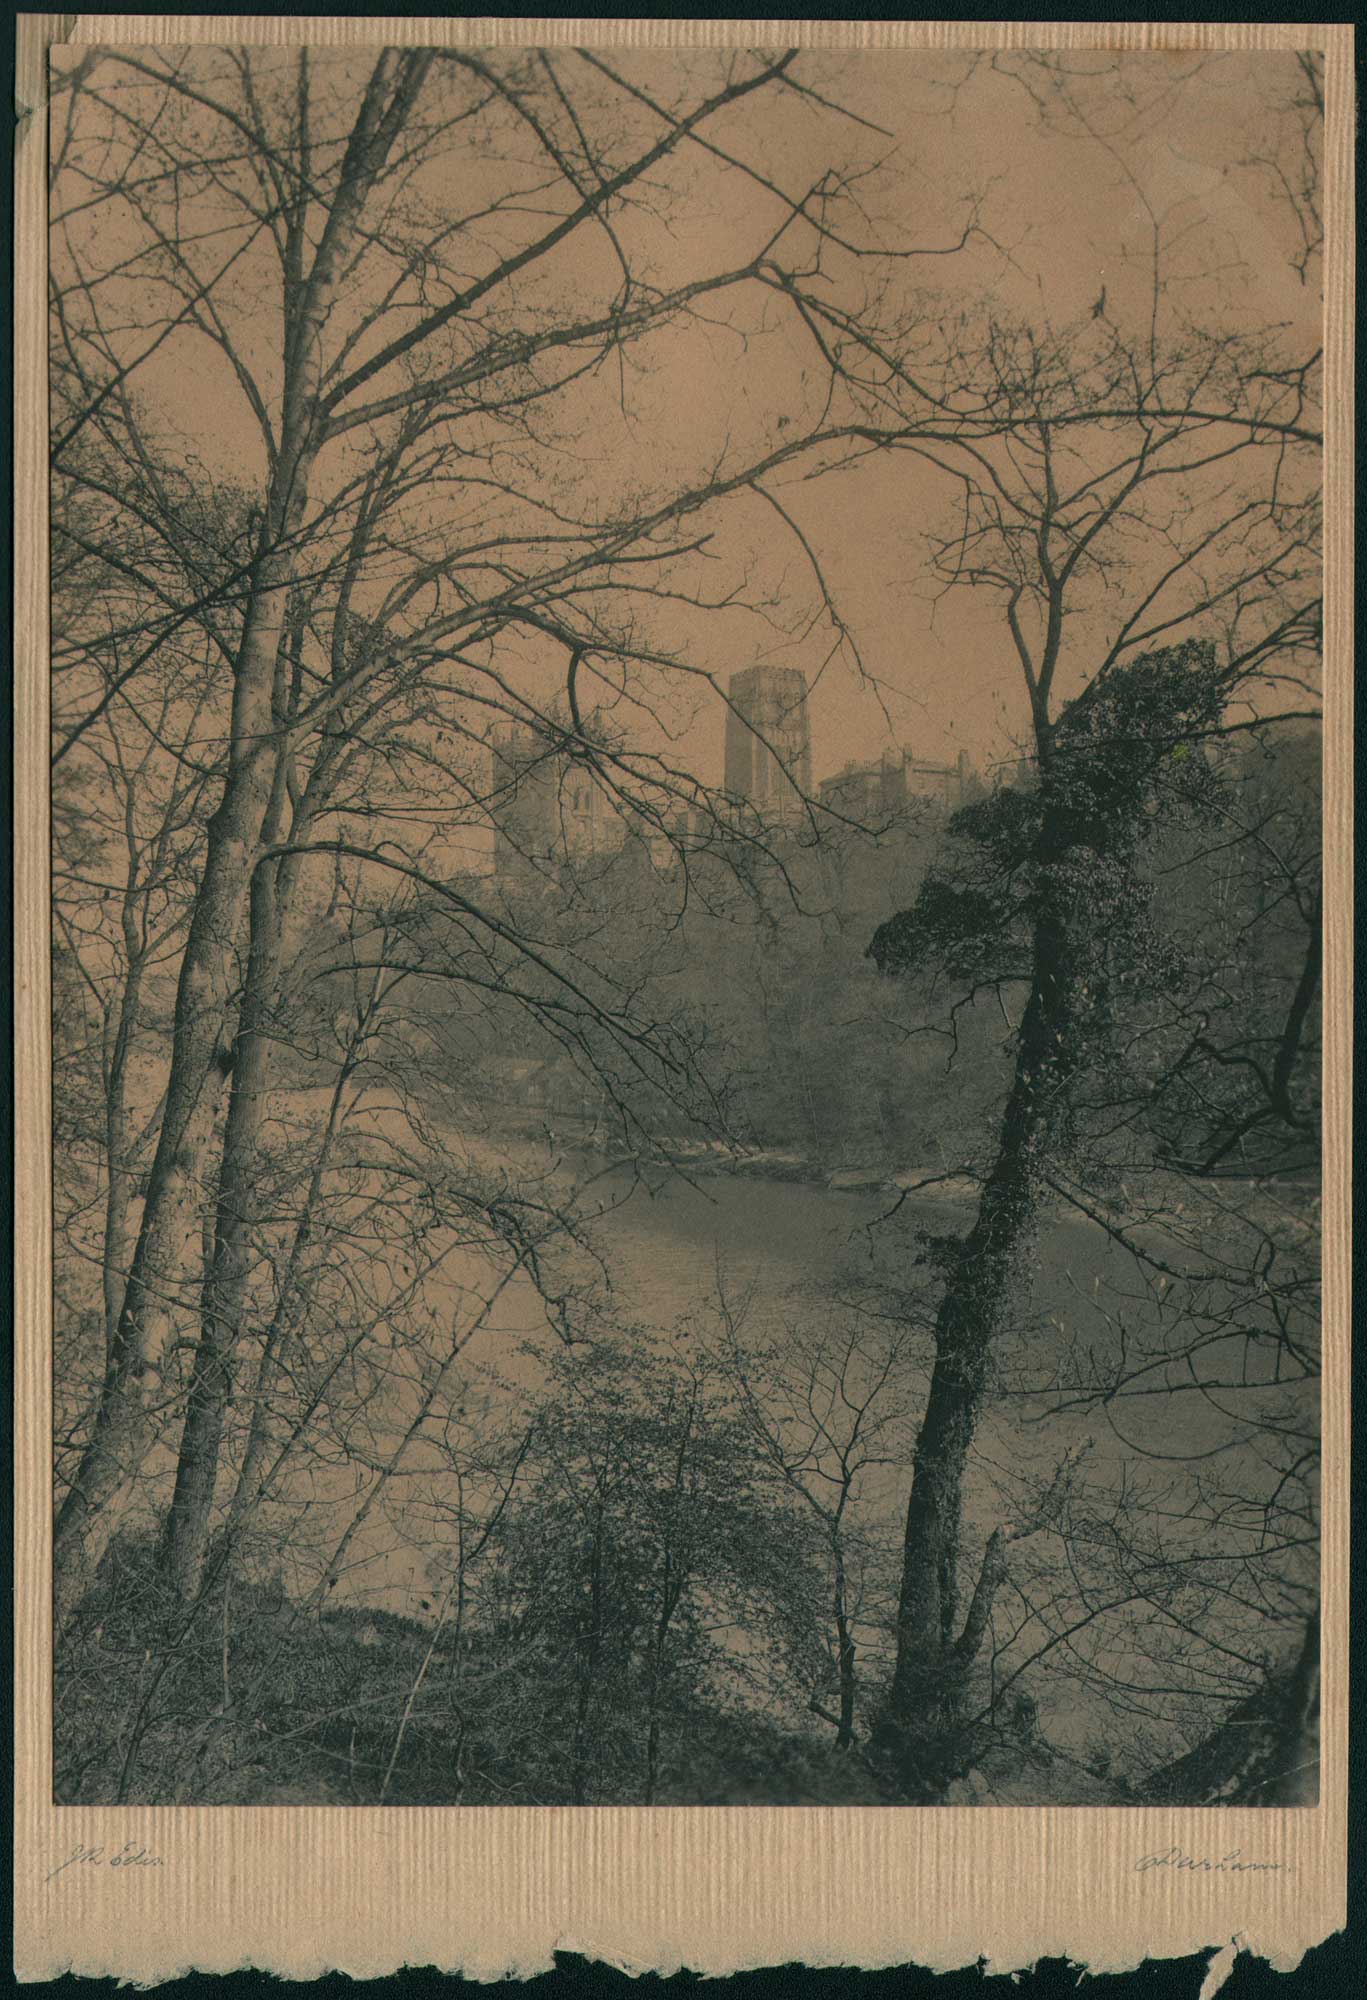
(686, 930)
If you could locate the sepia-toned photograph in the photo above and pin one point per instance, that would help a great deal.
(686, 925)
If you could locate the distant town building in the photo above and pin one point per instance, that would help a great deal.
(547, 805)
(871, 793)
(690, 825)
(683, 829)
(1017, 774)
(769, 741)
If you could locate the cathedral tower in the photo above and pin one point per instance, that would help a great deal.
(769, 740)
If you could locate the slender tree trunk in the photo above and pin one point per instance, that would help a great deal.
(671, 1589)
(918, 1738)
(845, 1658)
(119, 1151)
(121, 1174)
(124, 1422)
(227, 1280)
(588, 1666)
(154, 1297)
(153, 1301)
(289, 1307)
(273, 903)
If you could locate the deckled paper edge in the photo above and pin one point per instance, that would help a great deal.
(300, 1892)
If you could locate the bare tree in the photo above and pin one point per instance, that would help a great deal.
(378, 832)
(829, 1409)
(400, 365)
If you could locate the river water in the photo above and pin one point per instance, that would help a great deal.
(664, 1245)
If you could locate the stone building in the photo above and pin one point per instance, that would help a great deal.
(874, 793)
(769, 741)
(547, 806)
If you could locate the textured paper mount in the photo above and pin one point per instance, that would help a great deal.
(301, 1891)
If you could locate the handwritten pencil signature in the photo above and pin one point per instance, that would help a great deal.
(1201, 1864)
(130, 1855)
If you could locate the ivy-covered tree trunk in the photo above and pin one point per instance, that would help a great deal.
(845, 1658)
(920, 1736)
(1071, 846)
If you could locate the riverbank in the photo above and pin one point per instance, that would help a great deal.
(715, 1157)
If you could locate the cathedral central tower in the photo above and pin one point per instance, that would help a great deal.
(769, 740)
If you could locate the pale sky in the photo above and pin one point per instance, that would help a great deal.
(1069, 212)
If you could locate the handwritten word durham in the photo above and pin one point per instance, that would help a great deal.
(1228, 1864)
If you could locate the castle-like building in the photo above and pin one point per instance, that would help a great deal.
(548, 804)
(870, 793)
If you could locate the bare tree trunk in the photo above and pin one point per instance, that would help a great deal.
(120, 1171)
(845, 1657)
(124, 1421)
(123, 1424)
(227, 1279)
(671, 1589)
(289, 1306)
(918, 1738)
(226, 1299)
(588, 1667)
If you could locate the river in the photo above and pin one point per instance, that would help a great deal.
(664, 1244)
